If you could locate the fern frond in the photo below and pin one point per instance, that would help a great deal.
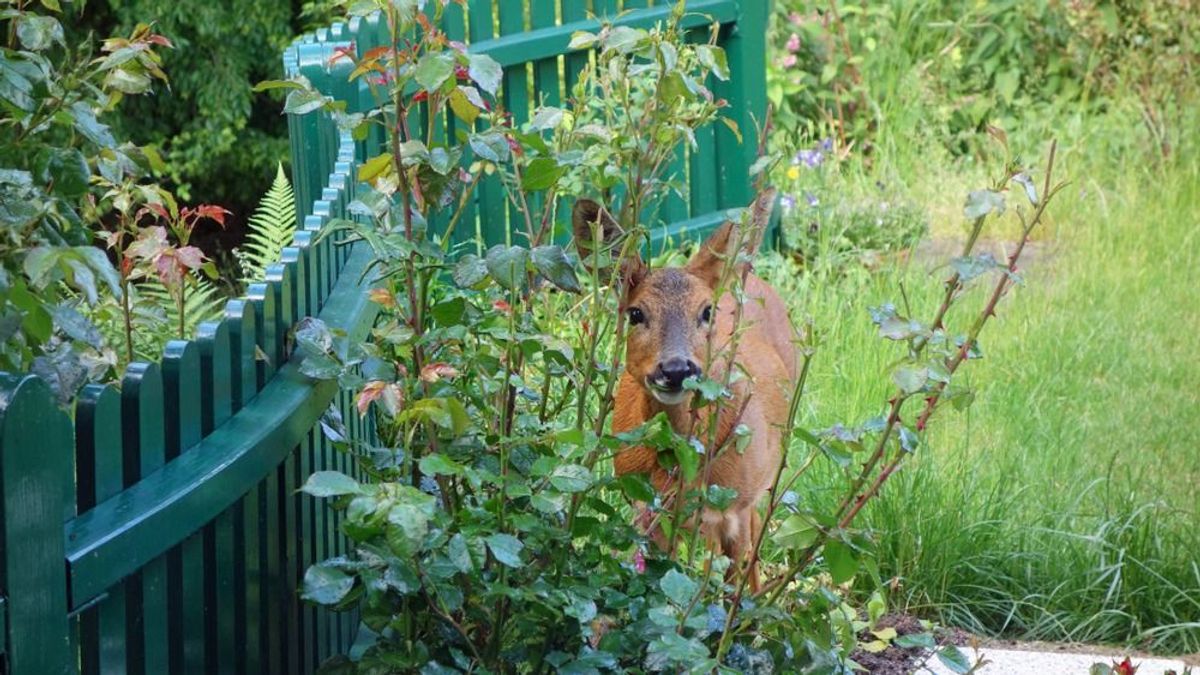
(204, 302)
(271, 228)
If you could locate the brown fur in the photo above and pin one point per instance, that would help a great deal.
(765, 352)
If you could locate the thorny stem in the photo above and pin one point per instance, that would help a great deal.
(854, 501)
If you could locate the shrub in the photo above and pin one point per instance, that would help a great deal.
(54, 148)
(489, 533)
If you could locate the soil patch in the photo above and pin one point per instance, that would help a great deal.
(896, 660)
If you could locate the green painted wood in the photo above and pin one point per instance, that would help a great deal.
(117, 537)
(513, 48)
(242, 318)
(144, 449)
(307, 541)
(543, 14)
(493, 213)
(276, 315)
(221, 599)
(98, 477)
(573, 11)
(32, 499)
(186, 563)
(454, 23)
(605, 9)
(515, 96)
(746, 93)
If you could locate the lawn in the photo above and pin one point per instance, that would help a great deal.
(1063, 504)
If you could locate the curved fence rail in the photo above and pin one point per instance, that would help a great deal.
(158, 528)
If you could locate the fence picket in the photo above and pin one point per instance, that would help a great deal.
(185, 563)
(98, 477)
(142, 426)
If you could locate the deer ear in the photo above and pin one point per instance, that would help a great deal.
(708, 262)
(596, 231)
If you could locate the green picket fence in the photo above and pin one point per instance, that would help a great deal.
(156, 528)
(530, 38)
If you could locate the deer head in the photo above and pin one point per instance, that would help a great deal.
(671, 311)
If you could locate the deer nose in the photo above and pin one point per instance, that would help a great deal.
(672, 372)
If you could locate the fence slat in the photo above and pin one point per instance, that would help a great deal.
(574, 62)
(98, 476)
(493, 215)
(32, 502)
(144, 451)
(185, 563)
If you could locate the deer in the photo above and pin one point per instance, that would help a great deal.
(672, 314)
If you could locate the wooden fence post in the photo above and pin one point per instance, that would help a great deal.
(36, 451)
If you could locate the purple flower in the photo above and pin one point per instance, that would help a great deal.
(788, 202)
(812, 199)
(826, 145)
(810, 158)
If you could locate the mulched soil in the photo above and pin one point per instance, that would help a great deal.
(897, 661)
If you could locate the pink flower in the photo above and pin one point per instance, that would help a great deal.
(796, 19)
(789, 61)
(639, 561)
(793, 43)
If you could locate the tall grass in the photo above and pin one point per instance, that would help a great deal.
(1065, 503)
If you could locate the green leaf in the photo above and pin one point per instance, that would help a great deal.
(973, 266)
(85, 122)
(689, 454)
(541, 174)
(470, 270)
(490, 145)
(673, 88)
(304, 101)
(720, 497)
(507, 264)
(982, 202)
(505, 548)
(1026, 182)
(66, 169)
(571, 478)
(458, 553)
(922, 640)
(678, 587)
(268, 85)
(373, 167)
(713, 58)
(910, 379)
(637, 487)
(438, 464)
(331, 484)
(841, 561)
(37, 33)
(582, 40)
(954, 659)
(546, 118)
(409, 523)
(326, 585)
(624, 39)
(485, 72)
(433, 70)
(796, 531)
(552, 263)
(900, 328)
(462, 106)
(672, 649)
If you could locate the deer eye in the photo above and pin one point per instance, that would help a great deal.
(706, 314)
(636, 316)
